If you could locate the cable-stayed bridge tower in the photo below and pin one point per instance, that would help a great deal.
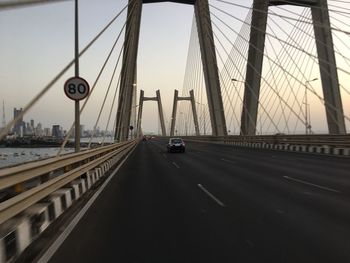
(209, 63)
(326, 58)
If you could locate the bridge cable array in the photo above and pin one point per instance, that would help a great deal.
(5, 131)
(287, 71)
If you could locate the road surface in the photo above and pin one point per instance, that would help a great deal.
(217, 203)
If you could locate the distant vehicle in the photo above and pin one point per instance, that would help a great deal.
(176, 145)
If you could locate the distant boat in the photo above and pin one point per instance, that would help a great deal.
(15, 154)
(23, 153)
(3, 157)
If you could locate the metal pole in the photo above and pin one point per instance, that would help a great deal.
(204, 122)
(306, 121)
(77, 106)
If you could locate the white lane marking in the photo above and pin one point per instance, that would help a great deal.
(175, 164)
(59, 241)
(211, 195)
(311, 184)
(228, 161)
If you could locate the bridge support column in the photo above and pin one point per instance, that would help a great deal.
(160, 111)
(173, 115)
(128, 72)
(328, 68)
(254, 67)
(327, 63)
(210, 68)
(139, 115)
(194, 111)
(161, 115)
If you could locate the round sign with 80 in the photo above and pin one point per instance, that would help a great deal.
(76, 88)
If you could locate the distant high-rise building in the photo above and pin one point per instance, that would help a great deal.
(32, 123)
(39, 130)
(57, 131)
(47, 132)
(3, 115)
(19, 126)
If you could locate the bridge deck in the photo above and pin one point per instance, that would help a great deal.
(217, 204)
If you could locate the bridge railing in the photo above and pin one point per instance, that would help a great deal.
(318, 144)
(29, 183)
(311, 140)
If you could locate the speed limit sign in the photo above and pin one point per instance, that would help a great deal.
(76, 88)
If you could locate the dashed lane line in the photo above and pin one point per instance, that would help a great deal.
(176, 165)
(228, 161)
(311, 184)
(211, 195)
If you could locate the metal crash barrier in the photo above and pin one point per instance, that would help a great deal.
(36, 193)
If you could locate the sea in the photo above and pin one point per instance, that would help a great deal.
(10, 156)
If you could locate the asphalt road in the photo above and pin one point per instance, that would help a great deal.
(217, 204)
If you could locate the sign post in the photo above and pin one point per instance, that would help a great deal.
(76, 89)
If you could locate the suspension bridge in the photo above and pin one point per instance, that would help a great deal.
(264, 112)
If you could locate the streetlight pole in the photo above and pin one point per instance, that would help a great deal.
(307, 109)
(203, 116)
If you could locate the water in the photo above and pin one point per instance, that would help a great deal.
(14, 156)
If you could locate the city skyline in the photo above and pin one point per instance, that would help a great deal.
(35, 128)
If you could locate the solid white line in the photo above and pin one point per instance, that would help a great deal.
(228, 161)
(176, 165)
(59, 241)
(211, 195)
(311, 184)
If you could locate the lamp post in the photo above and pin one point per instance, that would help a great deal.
(307, 109)
(203, 116)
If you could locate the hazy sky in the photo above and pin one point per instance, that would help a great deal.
(37, 42)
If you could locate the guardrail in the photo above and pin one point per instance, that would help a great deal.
(47, 183)
(324, 144)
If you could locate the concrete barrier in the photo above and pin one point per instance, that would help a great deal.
(14, 238)
(324, 149)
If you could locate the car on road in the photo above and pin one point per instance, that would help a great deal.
(176, 145)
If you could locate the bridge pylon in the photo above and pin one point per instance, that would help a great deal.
(128, 72)
(326, 57)
(194, 111)
(160, 111)
(209, 62)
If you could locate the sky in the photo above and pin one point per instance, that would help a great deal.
(38, 41)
